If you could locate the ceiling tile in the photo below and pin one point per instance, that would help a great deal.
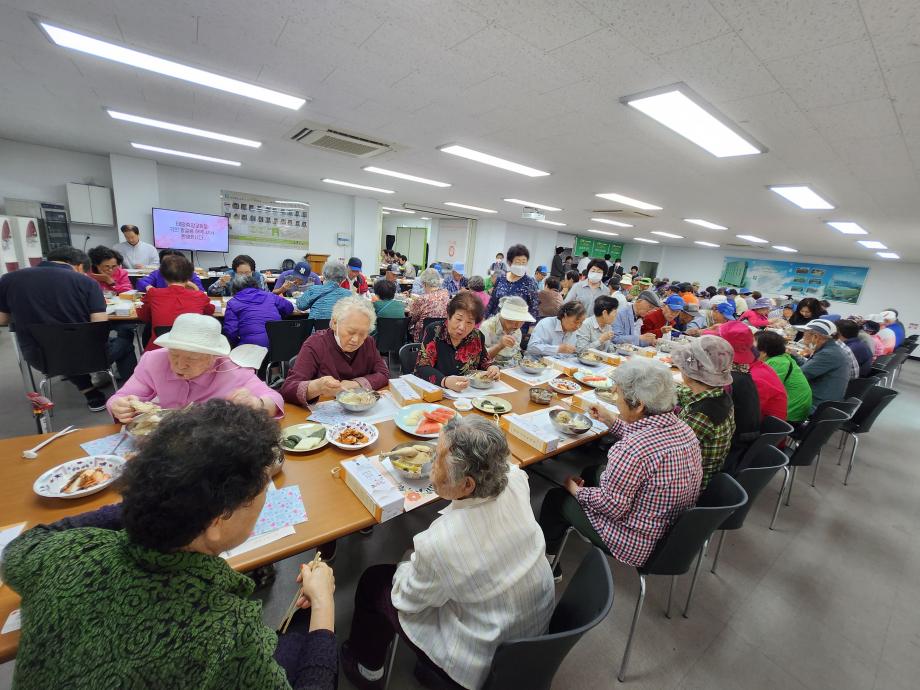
(890, 16)
(856, 120)
(545, 24)
(883, 158)
(720, 69)
(448, 20)
(839, 74)
(343, 21)
(660, 26)
(780, 28)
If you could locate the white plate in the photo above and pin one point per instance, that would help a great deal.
(554, 384)
(304, 429)
(581, 374)
(369, 430)
(50, 483)
(400, 419)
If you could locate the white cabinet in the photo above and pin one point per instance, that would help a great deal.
(90, 204)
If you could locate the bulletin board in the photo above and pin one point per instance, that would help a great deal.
(263, 220)
(597, 248)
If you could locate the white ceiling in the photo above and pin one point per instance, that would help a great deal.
(831, 87)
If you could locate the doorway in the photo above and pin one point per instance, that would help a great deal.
(649, 269)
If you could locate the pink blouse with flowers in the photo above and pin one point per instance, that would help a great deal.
(438, 358)
(431, 305)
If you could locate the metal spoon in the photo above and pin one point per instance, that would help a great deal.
(32, 453)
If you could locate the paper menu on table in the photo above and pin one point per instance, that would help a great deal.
(7, 534)
(540, 420)
(331, 412)
(13, 622)
(106, 444)
(417, 492)
(283, 508)
(256, 542)
(545, 376)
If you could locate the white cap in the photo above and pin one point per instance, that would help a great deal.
(513, 308)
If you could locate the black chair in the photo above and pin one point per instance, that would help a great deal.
(161, 330)
(408, 353)
(753, 479)
(391, 334)
(321, 324)
(822, 425)
(532, 662)
(876, 400)
(71, 349)
(772, 431)
(428, 321)
(687, 538)
(857, 388)
(285, 339)
(849, 408)
(880, 368)
(288, 265)
(898, 358)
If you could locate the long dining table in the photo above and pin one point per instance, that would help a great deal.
(333, 511)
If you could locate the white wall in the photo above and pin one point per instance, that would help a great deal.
(136, 190)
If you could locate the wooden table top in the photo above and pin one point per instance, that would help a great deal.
(332, 508)
(218, 314)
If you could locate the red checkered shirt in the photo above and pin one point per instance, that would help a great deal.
(653, 473)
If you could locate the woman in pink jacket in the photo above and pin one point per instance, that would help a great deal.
(106, 270)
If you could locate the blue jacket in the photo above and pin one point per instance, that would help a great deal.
(828, 372)
(247, 312)
(624, 326)
(898, 329)
(863, 354)
(154, 279)
(320, 299)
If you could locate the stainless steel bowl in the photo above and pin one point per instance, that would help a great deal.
(589, 362)
(579, 423)
(530, 369)
(360, 407)
(480, 382)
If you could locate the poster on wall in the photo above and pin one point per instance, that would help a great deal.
(266, 221)
(771, 277)
(597, 249)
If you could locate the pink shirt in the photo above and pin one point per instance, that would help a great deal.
(122, 281)
(154, 378)
(770, 389)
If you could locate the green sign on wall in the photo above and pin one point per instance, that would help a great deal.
(597, 248)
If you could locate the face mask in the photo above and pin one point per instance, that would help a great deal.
(519, 269)
(595, 276)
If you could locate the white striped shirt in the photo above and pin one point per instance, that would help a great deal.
(478, 576)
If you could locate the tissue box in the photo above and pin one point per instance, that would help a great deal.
(367, 480)
(428, 391)
(403, 393)
(123, 308)
(607, 357)
(566, 366)
(521, 427)
(584, 401)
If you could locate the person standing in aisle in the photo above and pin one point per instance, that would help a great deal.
(557, 265)
(516, 282)
(583, 262)
(136, 253)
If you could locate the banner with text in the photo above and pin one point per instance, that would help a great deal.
(267, 221)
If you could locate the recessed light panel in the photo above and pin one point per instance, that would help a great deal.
(629, 201)
(342, 183)
(784, 248)
(604, 232)
(182, 129)
(533, 203)
(670, 235)
(612, 222)
(752, 238)
(802, 196)
(185, 154)
(705, 244)
(405, 176)
(467, 206)
(495, 161)
(888, 255)
(551, 222)
(705, 224)
(398, 210)
(682, 111)
(872, 244)
(847, 227)
(126, 56)
(646, 240)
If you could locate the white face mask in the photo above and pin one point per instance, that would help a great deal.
(595, 276)
(519, 269)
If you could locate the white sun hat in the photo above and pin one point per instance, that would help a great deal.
(513, 308)
(195, 333)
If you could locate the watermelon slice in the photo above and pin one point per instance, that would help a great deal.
(428, 426)
(439, 414)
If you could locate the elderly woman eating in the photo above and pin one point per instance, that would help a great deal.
(192, 366)
(431, 304)
(653, 472)
(137, 593)
(705, 365)
(557, 335)
(453, 349)
(502, 332)
(340, 357)
(476, 578)
(320, 299)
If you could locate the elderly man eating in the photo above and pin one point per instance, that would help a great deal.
(340, 357)
(625, 329)
(477, 576)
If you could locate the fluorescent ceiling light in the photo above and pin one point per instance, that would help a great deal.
(126, 56)
(424, 218)
(667, 234)
(495, 161)
(612, 222)
(682, 111)
(532, 203)
(705, 244)
(872, 244)
(848, 228)
(752, 238)
(604, 232)
(405, 176)
(629, 201)
(182, 129)
(398, 210)
(784, 248)
(386, 213)
(291, 203)
(471, 208)
(888, 255)
(705, 224)
(358, 186)
(802, 196)
(185, 154)
(551, 222)
(646, 240)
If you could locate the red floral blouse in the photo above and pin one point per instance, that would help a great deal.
(438, 358)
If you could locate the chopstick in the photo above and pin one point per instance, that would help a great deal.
(292, 609)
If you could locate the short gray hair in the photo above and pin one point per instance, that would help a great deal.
(430, 278)
(334, 271)
(353, 303)
(478, 449)
(241, 282)
(641, 380)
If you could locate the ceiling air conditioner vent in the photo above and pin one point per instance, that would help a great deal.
(623, 213)
(322, 137)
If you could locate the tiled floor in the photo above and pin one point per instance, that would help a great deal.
(830, 599)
